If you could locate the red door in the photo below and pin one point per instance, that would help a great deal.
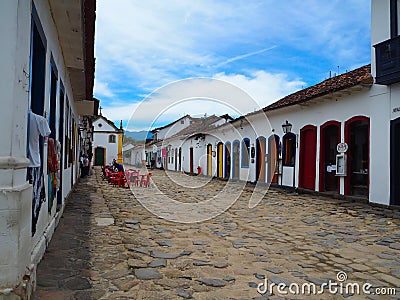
(308, 146)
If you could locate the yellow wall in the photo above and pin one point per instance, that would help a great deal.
(119, 160)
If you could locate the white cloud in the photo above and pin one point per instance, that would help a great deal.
(265, 88)
(102, 89)
(150, 43)
(234, 94)
(142, 45)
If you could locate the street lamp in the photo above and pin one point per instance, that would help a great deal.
(287, 127)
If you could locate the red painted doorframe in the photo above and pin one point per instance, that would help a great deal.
(322, 152)
(346, 139)
(307, 171)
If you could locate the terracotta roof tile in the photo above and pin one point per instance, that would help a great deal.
(358, 76)
(199, 125)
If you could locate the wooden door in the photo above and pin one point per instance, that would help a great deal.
(99, 156)
(209, 160)
(260, 159)
(176, 159)
(395, 162)
(236, 156)
(273, 155)
(329, 138)
(220, 160)
(191, 160)
(307, 163)
(227, 160)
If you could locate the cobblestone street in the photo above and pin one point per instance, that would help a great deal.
(108, 246)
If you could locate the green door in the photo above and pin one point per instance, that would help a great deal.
(99, 156)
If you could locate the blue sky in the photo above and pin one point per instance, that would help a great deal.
(268, 48)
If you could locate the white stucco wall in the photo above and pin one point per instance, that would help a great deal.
(101, 139)
(135, 156)
(341, 107)
(385, 104)
(101, 125)
(15, 203)
(101, 133)
(173, 129)
(18, 248)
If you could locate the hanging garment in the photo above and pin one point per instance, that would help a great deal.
(35, 177)
(38, 126)
(52, 162)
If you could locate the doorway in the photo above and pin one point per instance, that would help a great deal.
(176, 159)
(180, 159)
(395, 162)
(260, 159)
(99, 156)
(61, 140)
(227, 160)
(357, 137)
(329, 138)
(273, 156)
(191, 159)
(236, 156)
(209, 160)
(308, 157)
(220, 160)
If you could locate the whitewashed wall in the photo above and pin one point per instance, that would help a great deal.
(46, 221)
(384, 100)
(19, 250)
(136, 155)
(15, 192)
(100, 139)
(102, 131)
(173, 129)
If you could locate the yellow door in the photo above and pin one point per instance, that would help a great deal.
(220, 160)
(209, 159)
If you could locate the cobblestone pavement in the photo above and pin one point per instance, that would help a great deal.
(108, 246)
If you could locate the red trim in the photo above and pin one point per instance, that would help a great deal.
(310, 169)
(346, 139)
(322, 152)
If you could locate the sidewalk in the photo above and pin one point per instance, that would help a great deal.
(108, 246)
(82, 247)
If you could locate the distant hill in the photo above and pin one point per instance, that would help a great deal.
(138, 135)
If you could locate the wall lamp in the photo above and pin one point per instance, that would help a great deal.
(287, 127)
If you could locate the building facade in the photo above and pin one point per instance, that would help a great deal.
(107, 142)
(46, 74)
(385, 95)
(341, 136)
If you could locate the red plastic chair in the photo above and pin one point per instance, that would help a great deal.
(115, 179)
(145, 181)
(122, 182)
(134, 178)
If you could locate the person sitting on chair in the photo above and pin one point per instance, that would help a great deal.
(118, 166)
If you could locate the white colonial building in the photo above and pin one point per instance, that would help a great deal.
(134, 155)
(47, 71)
(385, 97)
(107, 142)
